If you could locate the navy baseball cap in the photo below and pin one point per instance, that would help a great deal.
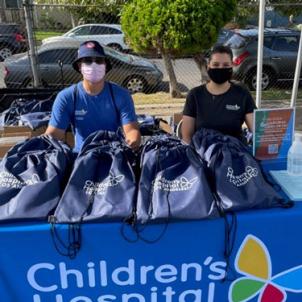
(90, 49)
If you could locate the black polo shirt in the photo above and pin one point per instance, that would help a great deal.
(224, 112)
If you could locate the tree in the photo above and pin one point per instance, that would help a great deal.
(174, 27)
(287, 8)
(245, 10)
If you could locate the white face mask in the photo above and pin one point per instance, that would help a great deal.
(93, 72)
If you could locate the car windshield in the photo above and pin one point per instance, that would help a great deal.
(236, 41)
(118, 55)
(79, 31)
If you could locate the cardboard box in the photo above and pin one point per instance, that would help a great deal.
(8, 142)
(11, 130)
(165, 127)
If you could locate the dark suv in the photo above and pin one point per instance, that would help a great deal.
(11, 40)
(279, 55)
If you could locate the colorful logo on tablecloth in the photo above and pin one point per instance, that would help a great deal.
(253, 260)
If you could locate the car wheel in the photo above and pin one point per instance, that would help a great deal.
(135, 84)
(116, 47)
(268, 78)
(5, 52)
(29, 83)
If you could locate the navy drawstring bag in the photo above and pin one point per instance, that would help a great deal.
(173, 184)
(236, 180)
(235, 175)
(35, 120)
(102, 185)
(32, 176)
(19, 107)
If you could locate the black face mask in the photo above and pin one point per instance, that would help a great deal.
(220, 75)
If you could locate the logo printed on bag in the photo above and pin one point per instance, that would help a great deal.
(100, 188)
(232, 107)
(8, 180)
(242, 179)
(253, 261)
(182, 184)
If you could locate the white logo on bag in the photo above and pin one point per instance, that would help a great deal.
(8, 180)
(182, 184)
(242, 179)
(100, 188)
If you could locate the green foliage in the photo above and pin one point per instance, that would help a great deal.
(245, 10)
(175, 26)
(289, 9)
(40, 35)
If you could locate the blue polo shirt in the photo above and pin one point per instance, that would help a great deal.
(92, 113)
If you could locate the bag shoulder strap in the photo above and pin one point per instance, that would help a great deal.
(114, 102)
(74, 101)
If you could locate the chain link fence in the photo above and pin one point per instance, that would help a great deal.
(58, 30)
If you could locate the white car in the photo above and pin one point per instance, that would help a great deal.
(106, 34)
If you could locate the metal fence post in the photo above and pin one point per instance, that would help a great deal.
(260, 52)
(32, 54)
(297, 74)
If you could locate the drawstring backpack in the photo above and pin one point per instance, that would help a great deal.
(32, 176)
(21, 107)
(102, 184)
(172, 185)
(236, 176)
(236, 179)
(102, 187)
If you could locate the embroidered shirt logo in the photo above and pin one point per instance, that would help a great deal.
(242, 179)
(182, 184)
(8, 180)
(81, 112)
(232, 107)
(100, 188)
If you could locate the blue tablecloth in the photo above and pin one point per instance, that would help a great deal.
(186, 264)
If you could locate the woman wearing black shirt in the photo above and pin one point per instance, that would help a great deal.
(220, 104)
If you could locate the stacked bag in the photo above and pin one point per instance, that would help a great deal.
(235, 176)
(31, 113)
(173, 183)
(167, 180)
(103, 183)
(32, 178)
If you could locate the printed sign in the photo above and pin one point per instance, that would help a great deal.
(273, 132)
(186, 265)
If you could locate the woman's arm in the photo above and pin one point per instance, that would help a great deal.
(249, 120)
(187, 128)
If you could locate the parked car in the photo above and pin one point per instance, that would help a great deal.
(224, 35)
(12, 40)
(106, 34)
(280, 50)
(55, 66)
